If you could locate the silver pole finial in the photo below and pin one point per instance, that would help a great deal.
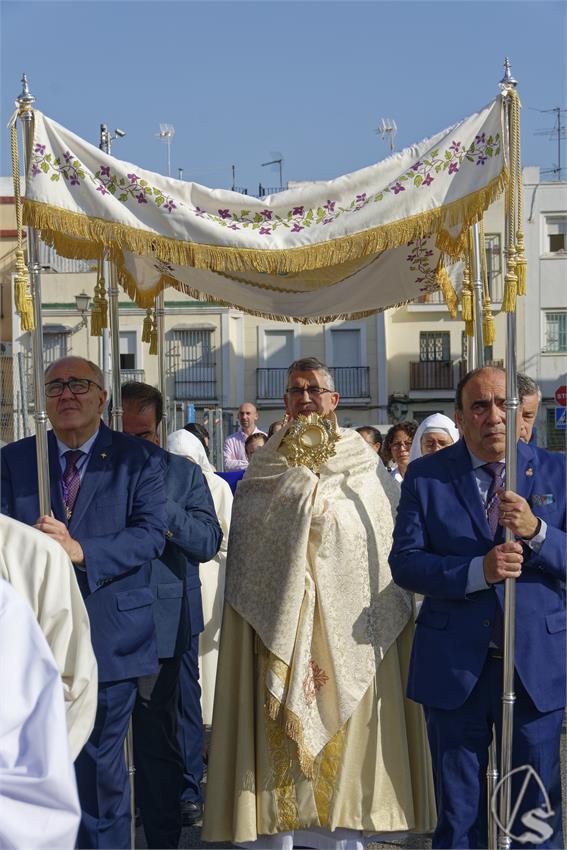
(25, 99)
(508, 81)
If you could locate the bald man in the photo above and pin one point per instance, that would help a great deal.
(234, 452)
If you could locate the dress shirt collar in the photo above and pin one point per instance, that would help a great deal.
(476, 461)
(86, 446)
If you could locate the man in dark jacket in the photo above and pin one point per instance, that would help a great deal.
(193, 535)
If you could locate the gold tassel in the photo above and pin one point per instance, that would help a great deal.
(99, 313)
(154, 336)
(488, 324)
(510, 284)
(521, 264)
(147, 326)
(447, 288)
(22, 293)
(469, 327)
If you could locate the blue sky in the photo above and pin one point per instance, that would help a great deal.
(242, 81)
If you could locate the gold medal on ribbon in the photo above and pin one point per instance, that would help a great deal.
(310, 441)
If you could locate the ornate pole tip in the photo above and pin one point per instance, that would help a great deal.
(25, 99)
(507, 81)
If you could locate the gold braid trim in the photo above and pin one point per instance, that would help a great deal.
(23, 298)
(79, 236)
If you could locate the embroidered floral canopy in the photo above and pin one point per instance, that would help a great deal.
(351, 246)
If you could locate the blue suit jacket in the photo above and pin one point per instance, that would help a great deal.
(441, 526)
(193, 535)
(119, 520)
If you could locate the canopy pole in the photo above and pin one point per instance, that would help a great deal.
(114, 319)
(160, 320)
(508, 84)
(25, 103)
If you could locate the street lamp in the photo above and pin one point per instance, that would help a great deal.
(82, 301)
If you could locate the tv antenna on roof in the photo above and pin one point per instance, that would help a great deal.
(277, 160)
(559, 132)
(166, 134)
(387, 128)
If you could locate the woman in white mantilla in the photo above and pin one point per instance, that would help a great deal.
(313, 740)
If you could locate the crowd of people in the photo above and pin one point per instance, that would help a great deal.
(274, 605)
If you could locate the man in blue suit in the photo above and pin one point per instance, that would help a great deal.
(448, 546)
(193, 536)
(108, 513)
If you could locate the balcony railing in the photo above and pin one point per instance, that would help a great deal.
(431, 375)
(496, 288)
(350, 382)
(195, 390)
(127, 375)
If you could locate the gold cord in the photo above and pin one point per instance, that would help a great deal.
(23, 298)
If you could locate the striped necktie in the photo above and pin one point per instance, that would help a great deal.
(71, 480)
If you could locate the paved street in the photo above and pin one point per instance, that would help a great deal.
(191, 837)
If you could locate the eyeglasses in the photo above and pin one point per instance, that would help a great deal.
(403, 445)
(78, 386)
(313, 391)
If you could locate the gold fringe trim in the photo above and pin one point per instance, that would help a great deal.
(147, 298)
(447, 288)
(293, 729)
(81, 237)
(521, 263)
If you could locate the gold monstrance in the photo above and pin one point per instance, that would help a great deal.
(310, 441)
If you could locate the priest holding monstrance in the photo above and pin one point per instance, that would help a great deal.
(313, 740)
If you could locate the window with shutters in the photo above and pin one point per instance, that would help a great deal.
(193, 364)
(555, 234)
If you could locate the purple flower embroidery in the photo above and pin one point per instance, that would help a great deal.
(416, 165)
(455, 146)
(35, 170)
(75, 180)
(224, 213)
(397, 188)
(453, 167)
(481, 159)
(267, 214)
(297, 211)
(199, 212)
(67, 156)
(169, 205)
(327, 220)
(329, 206)
(427, 180)
(480, 139)
(265, 231)
(233, 227)
(40, 149)
(361, 198)
(141, 198)
(296, 228)
(419, 279)
(105, 170)
(100, 188)
(133, 178)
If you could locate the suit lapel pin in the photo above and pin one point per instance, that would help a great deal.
(529, 471)
(103, 455)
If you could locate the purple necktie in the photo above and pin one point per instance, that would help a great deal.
(71, 480)
(496, 470)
